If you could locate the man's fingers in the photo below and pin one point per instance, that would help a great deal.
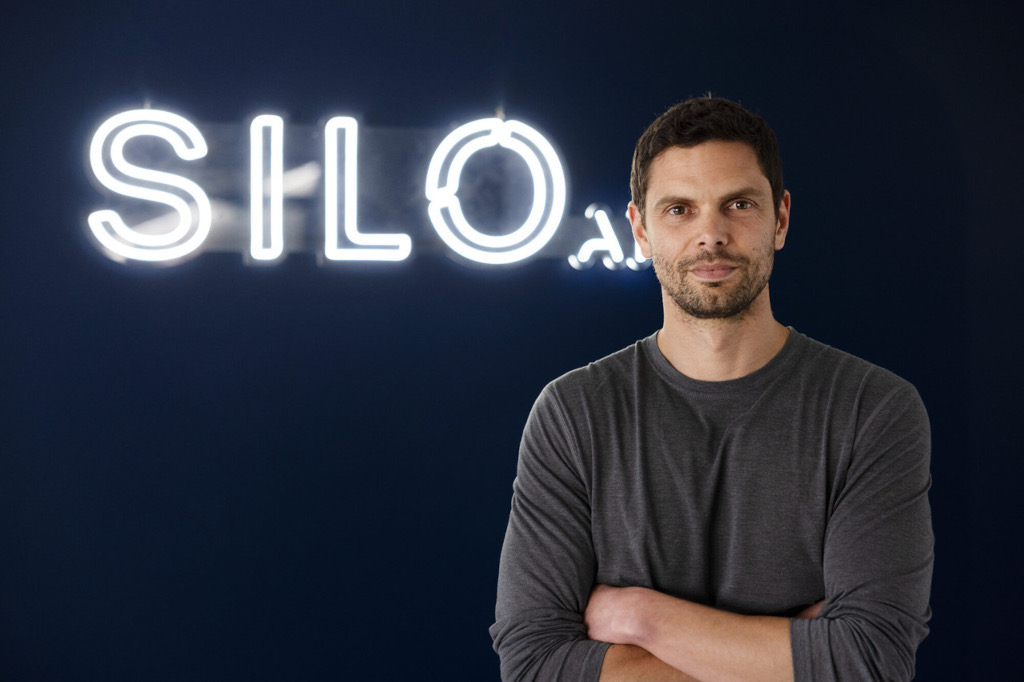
(811, 611)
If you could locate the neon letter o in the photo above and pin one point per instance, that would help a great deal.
(549, 191)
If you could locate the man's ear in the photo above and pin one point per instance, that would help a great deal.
(782, 223)
(639, 233)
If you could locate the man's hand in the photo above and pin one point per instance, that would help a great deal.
(613, 614)
(811, 611)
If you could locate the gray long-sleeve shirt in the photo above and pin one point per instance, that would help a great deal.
(805, 480)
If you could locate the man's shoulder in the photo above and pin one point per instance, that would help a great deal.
(828, 361)
(845, 376)
(611, 371)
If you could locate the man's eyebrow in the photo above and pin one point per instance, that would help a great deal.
(677, 199)
(750, 191)
(670, 200)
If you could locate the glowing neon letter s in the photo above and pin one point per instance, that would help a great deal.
(152, 241)
(549, 191)
(363, 246)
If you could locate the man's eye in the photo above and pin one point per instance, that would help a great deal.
(741, 204)
(677, 210)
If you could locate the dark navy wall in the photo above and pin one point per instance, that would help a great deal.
(219, 472)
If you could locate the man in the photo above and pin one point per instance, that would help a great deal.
(727, 499)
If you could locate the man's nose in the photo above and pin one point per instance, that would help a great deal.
(713, 230)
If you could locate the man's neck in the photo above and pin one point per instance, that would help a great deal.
(721, 349)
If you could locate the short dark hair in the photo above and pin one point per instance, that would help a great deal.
(702, 119)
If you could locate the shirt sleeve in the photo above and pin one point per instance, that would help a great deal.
(878, 553)
(547, 561)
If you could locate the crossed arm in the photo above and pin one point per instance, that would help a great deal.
(658, 637)
(553, 624)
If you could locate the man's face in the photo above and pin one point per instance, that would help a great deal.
(710, 227)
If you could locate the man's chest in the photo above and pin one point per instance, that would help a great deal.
(732, 515)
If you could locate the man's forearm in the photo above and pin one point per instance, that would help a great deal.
(705, 643)
(715, 645)
(625, 663)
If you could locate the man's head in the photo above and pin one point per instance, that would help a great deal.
(704, 119)
(709, 208)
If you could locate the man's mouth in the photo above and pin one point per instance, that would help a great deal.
(713, 271)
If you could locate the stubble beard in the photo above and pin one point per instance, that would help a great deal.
(715, 300)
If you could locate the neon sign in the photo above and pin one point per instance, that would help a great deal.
(173, 217)
(194, 217)
(545, 172)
